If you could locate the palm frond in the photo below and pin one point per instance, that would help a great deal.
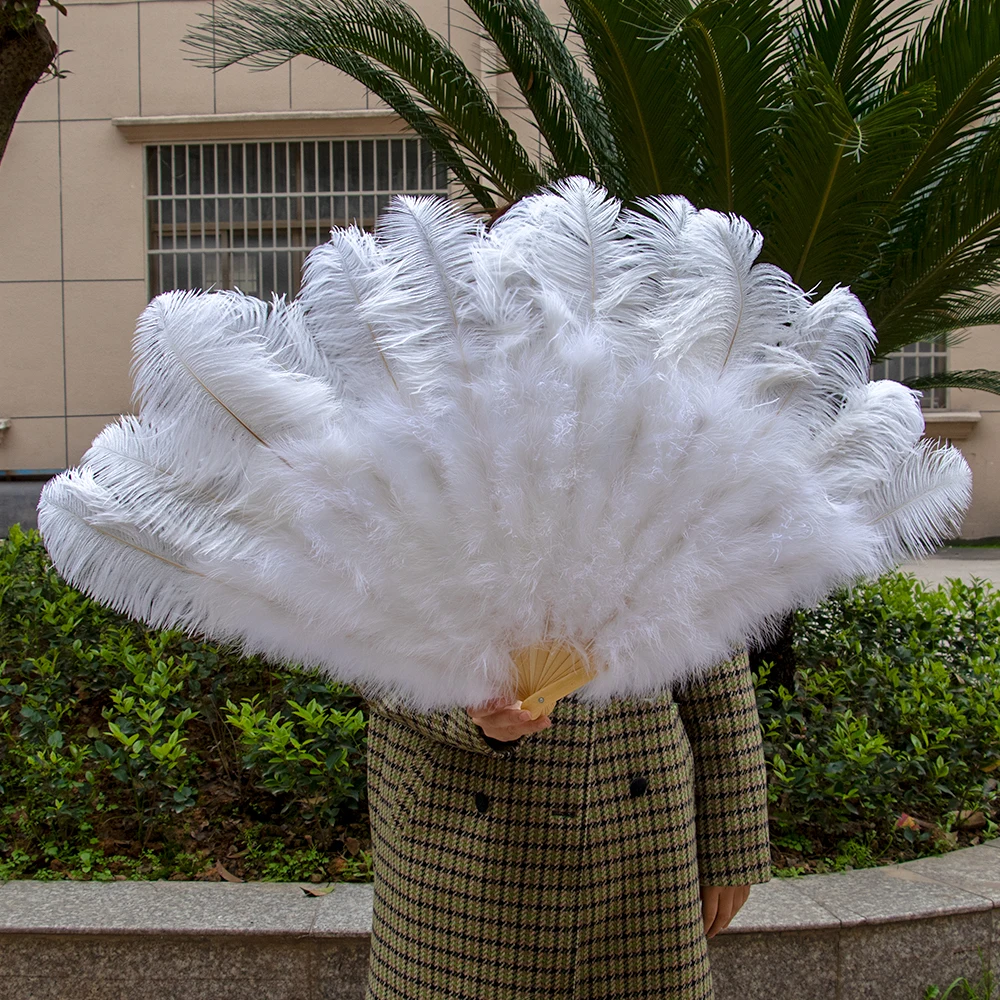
(855, 39)
(385, 33)
(959, 50)
(829, 206)
(389, 88)
(529, 46)
(978, 308)
(647, 92)
(946, 255)
(583, 95)
(973, 378)
(739, 50)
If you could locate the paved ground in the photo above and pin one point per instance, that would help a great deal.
(965, 564)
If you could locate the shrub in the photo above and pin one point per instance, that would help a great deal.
(115, 738)
(310, 759)
(892, 732)
(962, 989)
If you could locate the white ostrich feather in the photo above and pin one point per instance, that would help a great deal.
(338, 278)
(418, 312)
(205, 369)
(876, 427)
(291, 344)
(921, 501)
(834, 338)
(574, 230)
(136, 569)
(586, 425)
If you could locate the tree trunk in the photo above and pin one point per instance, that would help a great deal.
(24, 57)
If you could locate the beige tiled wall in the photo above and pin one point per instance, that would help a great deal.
(31, 377)
(315, 86)
(980, 349)
(35, 443)
(169, 84)
(101, 55)
(100, 319)
(30, 243)
(982, 450)
(72, 237)
(102, 207)
(72, 268)
(72, 242)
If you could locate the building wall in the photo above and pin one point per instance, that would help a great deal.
(72, 225)
(980, 349)
(73, 272)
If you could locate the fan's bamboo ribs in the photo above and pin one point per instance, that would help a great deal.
(548, 672)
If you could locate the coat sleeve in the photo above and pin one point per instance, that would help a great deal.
(719, 712)
(452, 726)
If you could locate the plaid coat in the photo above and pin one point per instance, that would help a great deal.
(565, 866)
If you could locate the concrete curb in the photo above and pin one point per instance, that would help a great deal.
(884, 933)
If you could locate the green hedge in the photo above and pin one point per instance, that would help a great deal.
(889, 746)
(127, 753)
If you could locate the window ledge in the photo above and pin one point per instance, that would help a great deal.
(950, 425)
(260, 125)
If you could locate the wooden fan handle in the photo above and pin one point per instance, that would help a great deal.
(542, 701)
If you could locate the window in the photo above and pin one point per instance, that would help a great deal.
(923, 358)
(245, 214)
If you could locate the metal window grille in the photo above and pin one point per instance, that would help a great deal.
(245, 214)
(923, 358)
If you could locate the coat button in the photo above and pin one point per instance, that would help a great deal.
(638, 787)
(482, 803)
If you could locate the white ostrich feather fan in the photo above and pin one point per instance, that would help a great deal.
(592, 442)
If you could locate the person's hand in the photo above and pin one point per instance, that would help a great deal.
(719, 904)
(501, 720)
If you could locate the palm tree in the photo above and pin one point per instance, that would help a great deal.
(860, 136)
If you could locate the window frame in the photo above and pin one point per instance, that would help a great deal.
(905, 363)
(278, 210)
